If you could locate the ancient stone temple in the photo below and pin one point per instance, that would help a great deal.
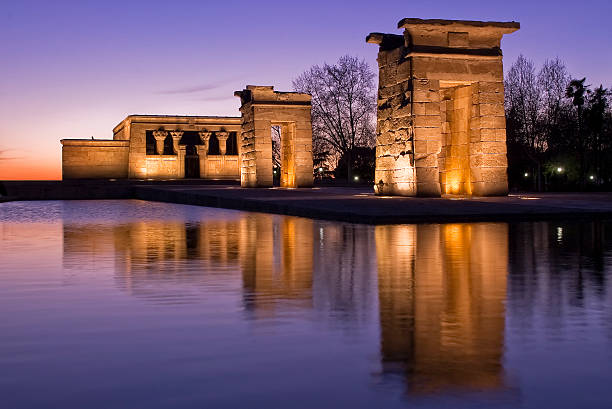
(262, 108)
(158, 147)
(207, 147)
(441, 126)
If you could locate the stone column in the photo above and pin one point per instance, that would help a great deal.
(202, 150)
(222, 138)
(426, 130)
(181, 152)
(205, 138)
(176, 137)
(488, 156)
(160, 137)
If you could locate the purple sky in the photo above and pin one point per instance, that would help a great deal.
(73, 69)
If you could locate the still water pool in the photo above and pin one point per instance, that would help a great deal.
(130, 304)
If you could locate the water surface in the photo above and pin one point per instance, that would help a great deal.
(131, 304)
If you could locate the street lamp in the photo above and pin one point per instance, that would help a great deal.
(559, 170)
(526, 174)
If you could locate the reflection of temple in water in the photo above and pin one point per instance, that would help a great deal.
(442, 290)
(446, 293)
(273, 253)
(271, 260)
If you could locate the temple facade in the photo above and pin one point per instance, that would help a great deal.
(158, 147)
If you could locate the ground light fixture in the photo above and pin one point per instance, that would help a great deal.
(559, 170)
(592, 177)
(526, 174)
(356, 178)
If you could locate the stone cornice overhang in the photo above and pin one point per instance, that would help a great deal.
(179, 119)
(386, 41)
(510, 25)
(111, 143)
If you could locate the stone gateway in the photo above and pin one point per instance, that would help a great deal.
(262, 108)
(440, 124)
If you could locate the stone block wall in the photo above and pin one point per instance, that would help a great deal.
(163, 166)
(219, 167)
(94, 159)
(441, 125)
(395, 169)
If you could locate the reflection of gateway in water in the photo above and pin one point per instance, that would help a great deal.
(442, 290)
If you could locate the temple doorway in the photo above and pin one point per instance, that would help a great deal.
(192, 162)
(276, 155)
(283, 154)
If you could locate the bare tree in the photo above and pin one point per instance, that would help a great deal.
(553, 80)
(343, 106)
(522, 113)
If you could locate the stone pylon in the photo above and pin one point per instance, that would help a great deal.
(440, 126)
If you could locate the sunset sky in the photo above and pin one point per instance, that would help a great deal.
(75, 69)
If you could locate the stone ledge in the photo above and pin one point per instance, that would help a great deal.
(355, 205)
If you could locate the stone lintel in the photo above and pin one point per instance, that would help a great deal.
(450, 52)
(256, 95)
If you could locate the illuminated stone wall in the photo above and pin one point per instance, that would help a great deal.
(127, 156)
(110, 157)
(441, 125)
(262, 108)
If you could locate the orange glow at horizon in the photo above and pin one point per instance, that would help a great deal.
(31, 169)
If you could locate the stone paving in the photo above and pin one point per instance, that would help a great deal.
(360, 205)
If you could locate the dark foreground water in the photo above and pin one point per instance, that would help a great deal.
(129, 304)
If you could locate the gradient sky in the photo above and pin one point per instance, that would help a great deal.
(75, 69)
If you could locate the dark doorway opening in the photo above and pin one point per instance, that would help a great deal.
(192, 162)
